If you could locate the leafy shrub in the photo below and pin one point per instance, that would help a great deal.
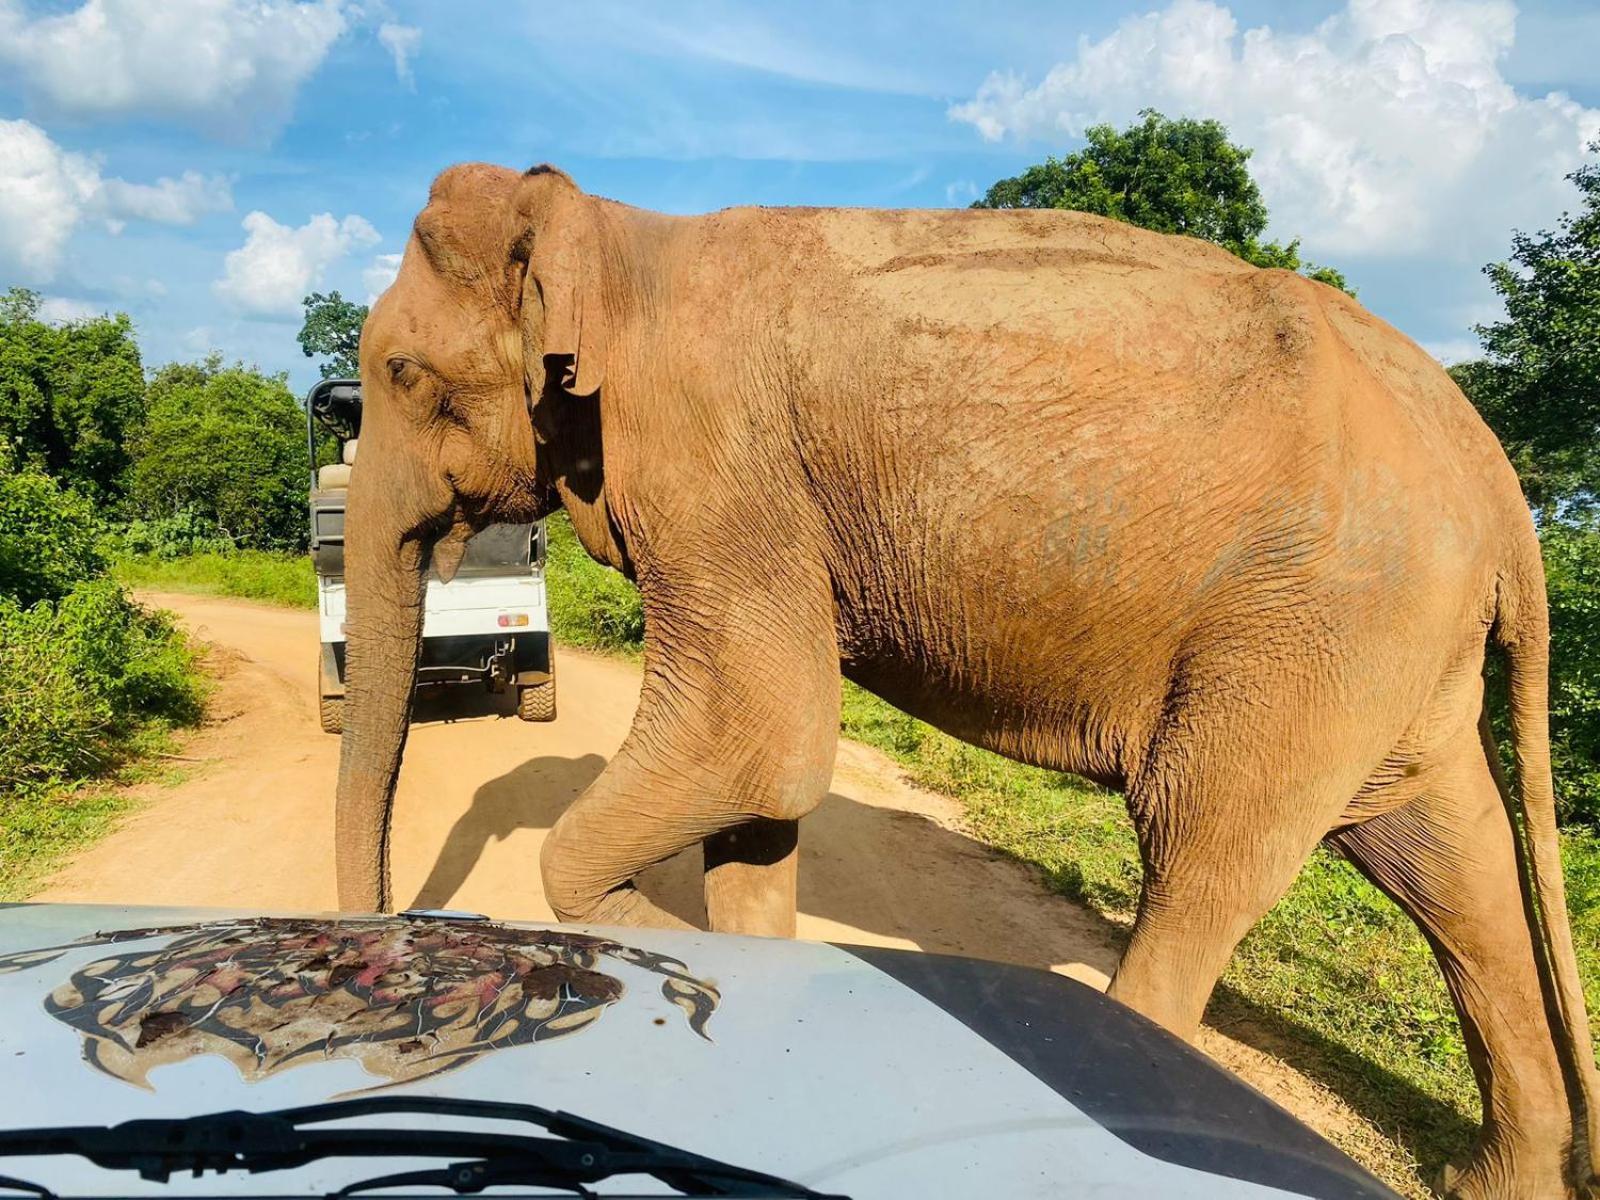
(590, 605)
(79, 677)
(49, 537)
(176, 535)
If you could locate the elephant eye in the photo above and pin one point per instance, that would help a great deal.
(402, 371)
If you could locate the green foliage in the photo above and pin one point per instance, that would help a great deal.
(333, 328)
(183, 533)
(274, 578)
(1173, 176)
(50, 537)
(1538, 384)
(227, 445)
(590, 605)
(81, 677)
(1572, 578)
(69, 394)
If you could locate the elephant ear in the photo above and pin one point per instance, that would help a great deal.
(564, 279)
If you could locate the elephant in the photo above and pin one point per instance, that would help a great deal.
(1103, 500)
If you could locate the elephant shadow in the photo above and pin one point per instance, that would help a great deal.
(901, 878)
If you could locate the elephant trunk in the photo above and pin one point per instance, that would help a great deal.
(384, 581)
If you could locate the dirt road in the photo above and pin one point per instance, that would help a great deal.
(250, 825)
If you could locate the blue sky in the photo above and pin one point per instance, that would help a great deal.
(202, 163)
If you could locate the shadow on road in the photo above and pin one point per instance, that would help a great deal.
(530, 797)
(902, 876)
(446, 703)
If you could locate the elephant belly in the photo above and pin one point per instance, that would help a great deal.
(1064, 686)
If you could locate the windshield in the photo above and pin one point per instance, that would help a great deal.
(499, 546)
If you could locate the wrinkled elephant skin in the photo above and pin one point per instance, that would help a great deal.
(1098, 499)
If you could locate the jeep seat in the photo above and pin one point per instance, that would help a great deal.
(337, 475)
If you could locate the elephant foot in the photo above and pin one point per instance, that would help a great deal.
(624, 906)
(1506, 1166)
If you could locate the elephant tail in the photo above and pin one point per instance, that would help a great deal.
(1522, 631)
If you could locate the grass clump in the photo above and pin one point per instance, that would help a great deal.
(265, 575)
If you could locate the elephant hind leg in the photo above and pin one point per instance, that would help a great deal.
(1448, 860)
(1226, 816)
(1210, 875)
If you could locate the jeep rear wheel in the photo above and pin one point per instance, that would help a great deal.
(332, 713)
(537, 702)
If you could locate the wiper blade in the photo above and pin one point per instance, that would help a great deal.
(581, 1152)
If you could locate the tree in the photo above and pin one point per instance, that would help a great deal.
(333, 328)
(1538, 383)
(1173, 176)
(227, 445)
(69, 394)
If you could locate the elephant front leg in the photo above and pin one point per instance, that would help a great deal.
(732, 744)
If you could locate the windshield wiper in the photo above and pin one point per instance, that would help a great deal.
(580, 1153)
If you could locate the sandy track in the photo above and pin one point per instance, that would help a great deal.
(251, 826)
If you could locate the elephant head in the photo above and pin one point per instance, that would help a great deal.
(496, 319)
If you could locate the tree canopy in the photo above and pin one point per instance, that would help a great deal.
(226, 444)
(1538, 383)
(1171, 175)
(69, 394)
(333, 328)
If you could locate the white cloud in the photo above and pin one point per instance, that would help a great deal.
(402, 42)
(1389, 128)
(278, 264)
(380, 275)
(961, 192)
(1451, 351)
(45, 191)
(169, 201)
(230, 67)
(59, 310)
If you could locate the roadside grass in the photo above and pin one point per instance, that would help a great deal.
(1335, 980)
(284, 579)
(42, 825)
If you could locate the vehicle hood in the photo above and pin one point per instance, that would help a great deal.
(859, 1071)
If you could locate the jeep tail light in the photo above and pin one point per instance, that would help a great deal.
(512, 620)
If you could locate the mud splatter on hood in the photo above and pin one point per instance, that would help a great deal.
(408, 999)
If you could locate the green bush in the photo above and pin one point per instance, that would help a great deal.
(49, 537)
(81, 677)
(590, 605)
(176, 535)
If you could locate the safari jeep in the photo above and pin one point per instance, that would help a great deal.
(490, 625)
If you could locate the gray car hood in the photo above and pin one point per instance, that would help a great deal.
(866, 1072)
